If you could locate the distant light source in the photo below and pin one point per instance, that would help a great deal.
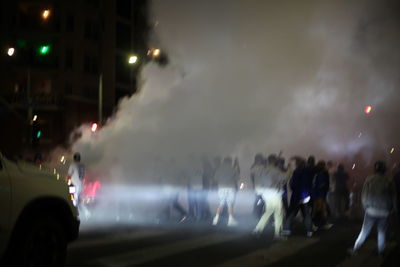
(93, 127)
(132, 59)
(44, 49)
(368, 109)
(392, 150)
(39, 134)
(62, 159)
(34, 118)
(46, 14)
(156, 52)
(353, 167)
(241, 186)
(10, 51)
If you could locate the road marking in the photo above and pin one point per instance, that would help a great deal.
(271, 254)
(157, 252)
(114, 239)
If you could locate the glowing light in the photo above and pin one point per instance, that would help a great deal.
(392, 150)
(62, 159)
(46, 14)
(368, 109)
(353, 167)
(10, 51)
(39, 134)
(54, 171)
(132, 59)
(359, 135)
(93, 127)
(241, 186)
(44, 49)
(72, 189)
(156, 52)
(34, 118)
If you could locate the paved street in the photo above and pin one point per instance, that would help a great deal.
(210, 246)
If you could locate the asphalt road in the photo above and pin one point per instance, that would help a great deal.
(190, 245)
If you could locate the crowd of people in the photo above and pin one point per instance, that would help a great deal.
(319, 190)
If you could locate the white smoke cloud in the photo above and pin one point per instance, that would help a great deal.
(247, 77)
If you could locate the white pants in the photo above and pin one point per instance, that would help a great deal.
(273, 206)
(226, 195)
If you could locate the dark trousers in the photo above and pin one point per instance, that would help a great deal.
(196, 204)
(172, 203)
(294, 208)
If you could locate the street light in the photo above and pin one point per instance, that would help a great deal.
(10, 51)
(156, 52)
(368, 109)
(46, 14)
(132, 59)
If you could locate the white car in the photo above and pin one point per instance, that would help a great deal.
(37, 216)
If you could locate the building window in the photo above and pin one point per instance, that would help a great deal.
(69, 59)
(92, 30)
(122, 69)
(93, 3)
(124, 8)
(91, 65)
(123, 36)
(68, 87)
(69, 23)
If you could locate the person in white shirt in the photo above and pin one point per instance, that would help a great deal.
(76, 173)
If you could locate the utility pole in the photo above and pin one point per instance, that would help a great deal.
(100, 98)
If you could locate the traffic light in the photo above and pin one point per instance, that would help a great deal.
(36, 133)
(44, 50)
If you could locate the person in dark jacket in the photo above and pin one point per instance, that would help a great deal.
(300, 199)
(341, 192)
(319, 195)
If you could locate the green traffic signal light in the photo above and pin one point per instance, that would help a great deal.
(38, 134)
(44, 49)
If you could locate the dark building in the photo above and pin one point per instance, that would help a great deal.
(53, 56)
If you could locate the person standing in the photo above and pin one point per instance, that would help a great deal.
(257, 170)
(341, 192)
(195, 192)
(300, 198)
(173, 185)
(76, 173)
(319, 195)
(226, 179)
(379, 200)
(269, 184)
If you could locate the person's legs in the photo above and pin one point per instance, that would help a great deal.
(222, 195)
(365, 231)
(230, 200)
(278, 216)
(191, 203)
(382, 224)
(178, 207)
(293, 210)
(270, 207)
(306, 211)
